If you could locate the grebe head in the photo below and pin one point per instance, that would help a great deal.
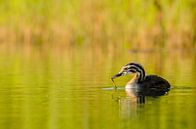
(131, 68)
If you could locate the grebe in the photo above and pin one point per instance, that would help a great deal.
(149, 83)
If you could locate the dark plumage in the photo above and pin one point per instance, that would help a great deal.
(154, 82)
(153, 85)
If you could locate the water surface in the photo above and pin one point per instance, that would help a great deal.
(73, 90)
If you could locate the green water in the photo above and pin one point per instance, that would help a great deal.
(72, 90)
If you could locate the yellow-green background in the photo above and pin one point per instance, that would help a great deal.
(143, 24)
(57, 57)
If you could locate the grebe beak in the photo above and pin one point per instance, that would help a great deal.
(117, 75)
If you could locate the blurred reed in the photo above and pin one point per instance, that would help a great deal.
(135, 24)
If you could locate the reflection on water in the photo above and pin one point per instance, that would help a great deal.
(72, 89)
(134, 99)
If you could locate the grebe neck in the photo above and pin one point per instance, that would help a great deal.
(140, 72)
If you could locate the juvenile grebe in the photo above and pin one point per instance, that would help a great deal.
(146, 83)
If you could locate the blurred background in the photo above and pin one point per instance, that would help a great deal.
(121, 24)
(57, 58)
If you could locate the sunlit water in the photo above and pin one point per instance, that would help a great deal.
(73, 90)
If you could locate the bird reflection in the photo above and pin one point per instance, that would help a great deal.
(141, 93)
(136, 98)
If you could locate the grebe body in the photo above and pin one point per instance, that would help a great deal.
(149, 83)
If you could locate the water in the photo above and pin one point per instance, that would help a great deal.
(72, 90)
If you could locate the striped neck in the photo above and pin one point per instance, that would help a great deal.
(138, 69)
(141, 76)
(134, 81)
